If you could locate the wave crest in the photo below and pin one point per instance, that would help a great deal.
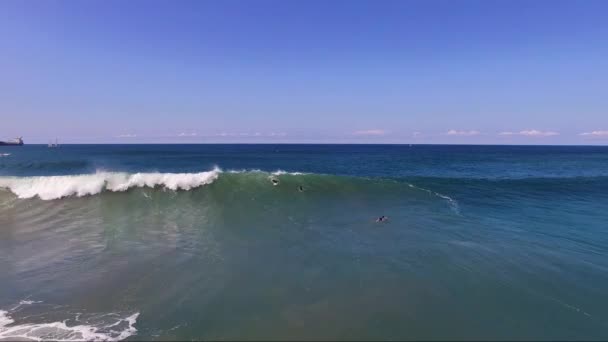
(54, 187)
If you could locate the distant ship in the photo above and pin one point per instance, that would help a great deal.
(15, 142)
(55, 144)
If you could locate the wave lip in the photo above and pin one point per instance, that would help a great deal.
(451, 201)
(282, 172)
(54, 187)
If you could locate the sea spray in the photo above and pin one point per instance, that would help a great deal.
(54, 187)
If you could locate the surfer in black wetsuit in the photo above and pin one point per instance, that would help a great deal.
(275, 181)
(300, 188)
(382, 219)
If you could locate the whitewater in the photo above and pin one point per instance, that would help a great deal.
(54, 187)
(116, 329)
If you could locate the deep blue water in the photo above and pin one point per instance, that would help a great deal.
(452, 161)
(195, 242)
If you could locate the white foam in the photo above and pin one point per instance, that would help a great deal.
(275, 173)
(246, 171)
(281, 172)
(451, 201)
(5, 319)
(4, 154)
(60, 331)
(54, 187)
(25, 302)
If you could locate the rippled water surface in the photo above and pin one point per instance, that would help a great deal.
(114, 242)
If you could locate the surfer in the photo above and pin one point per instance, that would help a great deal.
(300, 188)
(274, 181)
(382, 219)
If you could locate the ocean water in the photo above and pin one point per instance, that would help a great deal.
(161, 242)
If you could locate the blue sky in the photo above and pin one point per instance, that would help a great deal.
(508, 72)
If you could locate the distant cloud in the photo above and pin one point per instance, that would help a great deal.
(463, 133)
(230, 134)
(370, 132)
(531, 133)
(183, 134)
(535, 133)
(248, 134)
(595, 134)
(127, 136)
(416, 134)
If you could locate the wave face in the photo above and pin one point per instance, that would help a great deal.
(56, 187)
(254, 181)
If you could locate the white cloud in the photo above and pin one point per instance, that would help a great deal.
(183, 134)
(463, 133)
(416, 134)
(248, 134)
(228, 134)
(531, 133)
(595, 134)
(127, 136)
(535, 133)
(370, 132)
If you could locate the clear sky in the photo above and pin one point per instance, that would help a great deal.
(512, 72)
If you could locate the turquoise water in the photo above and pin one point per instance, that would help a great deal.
(195, 242)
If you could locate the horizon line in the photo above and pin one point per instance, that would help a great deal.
(328, 143)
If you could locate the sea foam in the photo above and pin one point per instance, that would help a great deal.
(54, 187)
(117, 330)
(453, 204)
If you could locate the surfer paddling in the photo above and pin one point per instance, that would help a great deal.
(382, 219)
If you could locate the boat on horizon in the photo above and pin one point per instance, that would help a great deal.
(54, 144)
(14, 142)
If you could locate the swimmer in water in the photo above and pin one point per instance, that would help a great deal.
(274, 181)
(382, 219)
(300, 188)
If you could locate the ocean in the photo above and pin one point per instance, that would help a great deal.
(182, 242)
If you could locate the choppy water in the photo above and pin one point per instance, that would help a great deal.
(195, 242)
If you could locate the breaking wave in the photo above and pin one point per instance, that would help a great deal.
(54, 187)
